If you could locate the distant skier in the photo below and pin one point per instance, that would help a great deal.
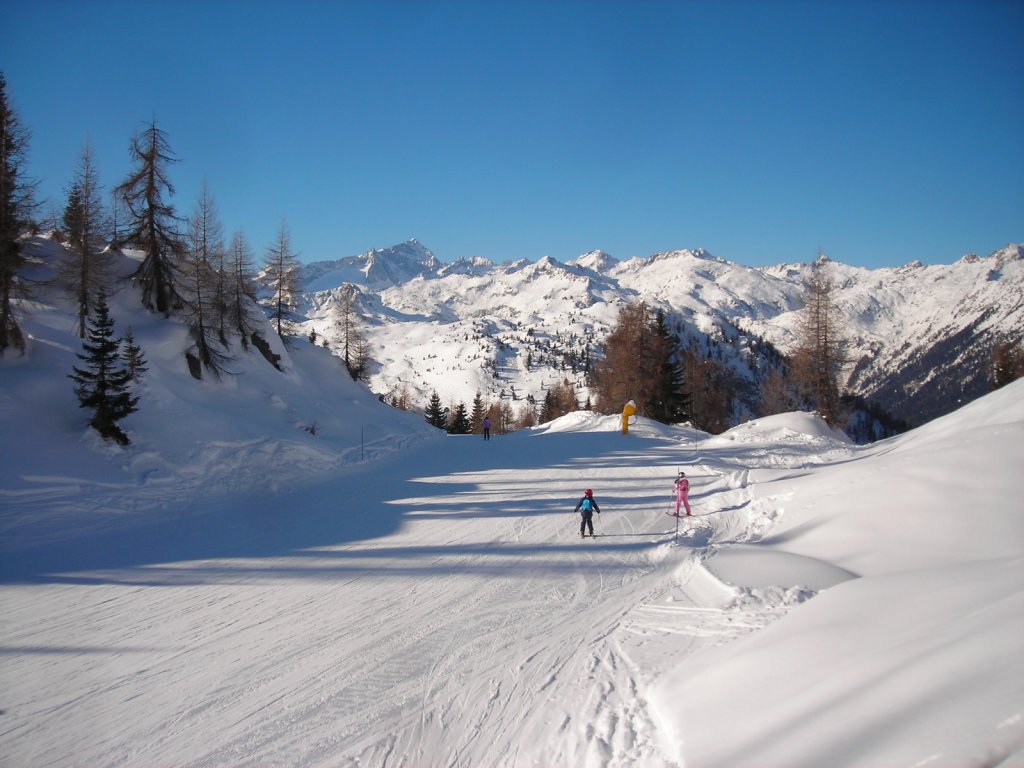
(682, 487)
(587, 506)
(487, 429)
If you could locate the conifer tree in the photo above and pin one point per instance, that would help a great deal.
(103, 384)
(281, 277)
(202, 283)
(15, 210)
(670, 402)
(820, 354)
(459, 424)
(152, 225)
(86, 270)
(434, 413)
(133, 357)
(476, 418)
(240, 292)
(351, 339)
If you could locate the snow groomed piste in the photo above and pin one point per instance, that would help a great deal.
(436, 607)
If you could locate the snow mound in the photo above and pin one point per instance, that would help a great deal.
(588, 421)
(781, 427)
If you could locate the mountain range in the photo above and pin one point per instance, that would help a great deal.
(919, 336)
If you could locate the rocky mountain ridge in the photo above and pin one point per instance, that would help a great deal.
(919, 336)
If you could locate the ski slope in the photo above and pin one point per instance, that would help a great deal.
(435, 606)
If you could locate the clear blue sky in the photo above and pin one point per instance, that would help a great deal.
(879, 131)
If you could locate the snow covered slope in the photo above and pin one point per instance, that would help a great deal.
(233, 590)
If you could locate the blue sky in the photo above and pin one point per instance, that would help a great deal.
(880, 132)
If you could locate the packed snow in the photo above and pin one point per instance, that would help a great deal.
(238, 588)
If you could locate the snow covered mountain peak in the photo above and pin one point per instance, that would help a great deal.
(918, 334)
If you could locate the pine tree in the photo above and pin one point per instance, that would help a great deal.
(281, 277)
(459, 424)
(670, 402)
(132, 356)
(152, 224)
(86, 270)
(15, 210)
(434, 413)
(477, 417)
(103, 385)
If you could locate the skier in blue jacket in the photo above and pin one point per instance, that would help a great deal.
(587, 506)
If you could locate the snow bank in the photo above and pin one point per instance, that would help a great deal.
(905, 665)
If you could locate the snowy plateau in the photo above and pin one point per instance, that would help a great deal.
(919, 337)
(235, 588)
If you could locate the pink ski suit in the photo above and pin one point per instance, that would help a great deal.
(682, 486)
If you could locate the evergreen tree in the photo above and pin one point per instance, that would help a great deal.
(103, 384)
(152, 225)
(132, 356)
(434, 413)
(15, 210)
(476, 419)
(670, 402)
(281, 276)
(86, 270)
(459, 424)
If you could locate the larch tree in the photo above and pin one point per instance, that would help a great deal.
(86, 269)
(152, 225)
(202, 283)
(281, 275)
(820, 354)
(16, 204)
(240, 290)
(352, 343)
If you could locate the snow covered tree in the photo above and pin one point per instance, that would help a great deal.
(820, 353)
(435, 413)
(281, 276)
(152, 225)
(103, 384)
(15, 211)
(86, 270)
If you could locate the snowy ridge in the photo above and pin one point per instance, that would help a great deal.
(919, 335)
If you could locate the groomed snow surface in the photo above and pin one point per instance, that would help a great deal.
(232, 590)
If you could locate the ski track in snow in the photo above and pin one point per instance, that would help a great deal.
(482, 631)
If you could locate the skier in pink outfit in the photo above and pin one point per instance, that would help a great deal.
(682, 486)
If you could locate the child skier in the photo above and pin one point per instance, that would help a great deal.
(587, 506)
(682, 487)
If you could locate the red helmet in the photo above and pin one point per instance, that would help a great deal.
(588, 492)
